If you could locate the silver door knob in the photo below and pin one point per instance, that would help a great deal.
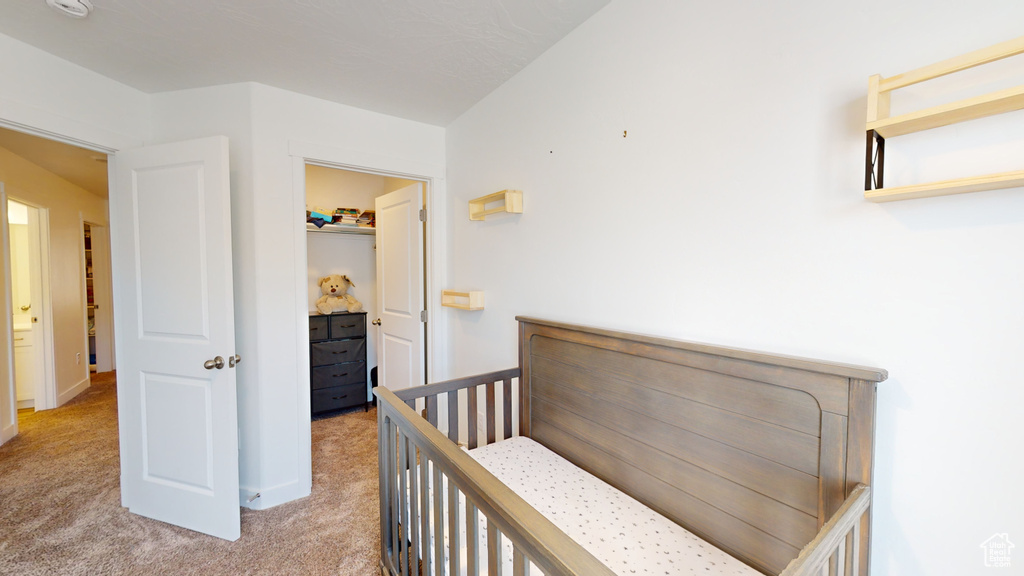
(217, 363)
(376, 322)
(232, 360)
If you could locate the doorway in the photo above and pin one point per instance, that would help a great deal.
(340, 244)
(55, 187)
(28, 243)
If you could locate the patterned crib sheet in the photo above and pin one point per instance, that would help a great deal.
(622, 533)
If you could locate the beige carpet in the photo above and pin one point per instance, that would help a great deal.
(61, 514)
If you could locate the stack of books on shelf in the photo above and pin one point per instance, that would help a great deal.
(349, 217)
(368, 219)
(346, 217)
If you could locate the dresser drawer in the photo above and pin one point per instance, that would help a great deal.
(338, 397)
(337, 351)
(318, 326)
(338, 375)
(348, 326)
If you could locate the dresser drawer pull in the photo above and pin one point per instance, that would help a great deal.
(339, 397)
(349, 325)
(340, 352)
(341, 375)
(311, 329)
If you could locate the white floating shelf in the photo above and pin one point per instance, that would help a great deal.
(947, 187)
(505, 201)
(472, 300)
(881, 124)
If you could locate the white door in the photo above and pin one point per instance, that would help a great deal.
(400, 350)
(173, 309)
(43, 392)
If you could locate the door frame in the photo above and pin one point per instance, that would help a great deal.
(102, 289)
(8, 398)
(45, 393)
(435, 266)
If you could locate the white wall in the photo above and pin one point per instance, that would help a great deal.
(21, 287)
(68, 205)
(282, 119)
(352, 255)
(49, 96)
(53, 96)
(261, 123)
(732, 213)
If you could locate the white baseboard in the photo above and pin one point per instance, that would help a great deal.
(75, 390)
(268, 498)
(7, 433)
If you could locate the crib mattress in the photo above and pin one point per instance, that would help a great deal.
(628, 537)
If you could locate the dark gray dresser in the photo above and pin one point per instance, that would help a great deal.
(337, 360)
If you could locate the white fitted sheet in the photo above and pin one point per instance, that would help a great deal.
(622, 533)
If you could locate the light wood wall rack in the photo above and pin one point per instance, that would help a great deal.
(471, 300)
(510, 201)
(881, 126)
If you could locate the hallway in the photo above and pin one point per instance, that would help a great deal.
(60, 511)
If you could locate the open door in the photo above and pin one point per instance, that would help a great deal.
(400, 350)
(174, 328)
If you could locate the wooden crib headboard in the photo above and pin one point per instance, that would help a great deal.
(750, 451)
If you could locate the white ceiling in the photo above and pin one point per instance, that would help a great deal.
(424, 60)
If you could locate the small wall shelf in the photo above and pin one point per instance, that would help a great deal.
(510, 201)
(881, 126)
(472, 300)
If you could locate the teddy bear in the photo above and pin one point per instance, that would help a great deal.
(335, 295)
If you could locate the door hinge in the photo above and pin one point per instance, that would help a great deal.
(423, 315)
(423, 214)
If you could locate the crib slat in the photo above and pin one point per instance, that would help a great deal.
(472, 542)
(453, 416)
(411, 403)
(453, 529)
(855, 550)
(403, 504)
(841, 559)
(438, 522)
(493, 549)
(520, 565)
(432, 410)
(490, 412)
(393, 501)
(425, 516)
(506, 412)
(384, 456)
(412, 526)
(472, 416)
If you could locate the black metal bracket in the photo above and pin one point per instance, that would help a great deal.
(874, 161)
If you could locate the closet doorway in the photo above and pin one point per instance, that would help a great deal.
(348, 245)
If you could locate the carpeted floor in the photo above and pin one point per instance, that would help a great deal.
(61, 514)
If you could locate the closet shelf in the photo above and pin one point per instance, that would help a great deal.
(510, 201)
(332, 229)
(471, 300)
(881, 126)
